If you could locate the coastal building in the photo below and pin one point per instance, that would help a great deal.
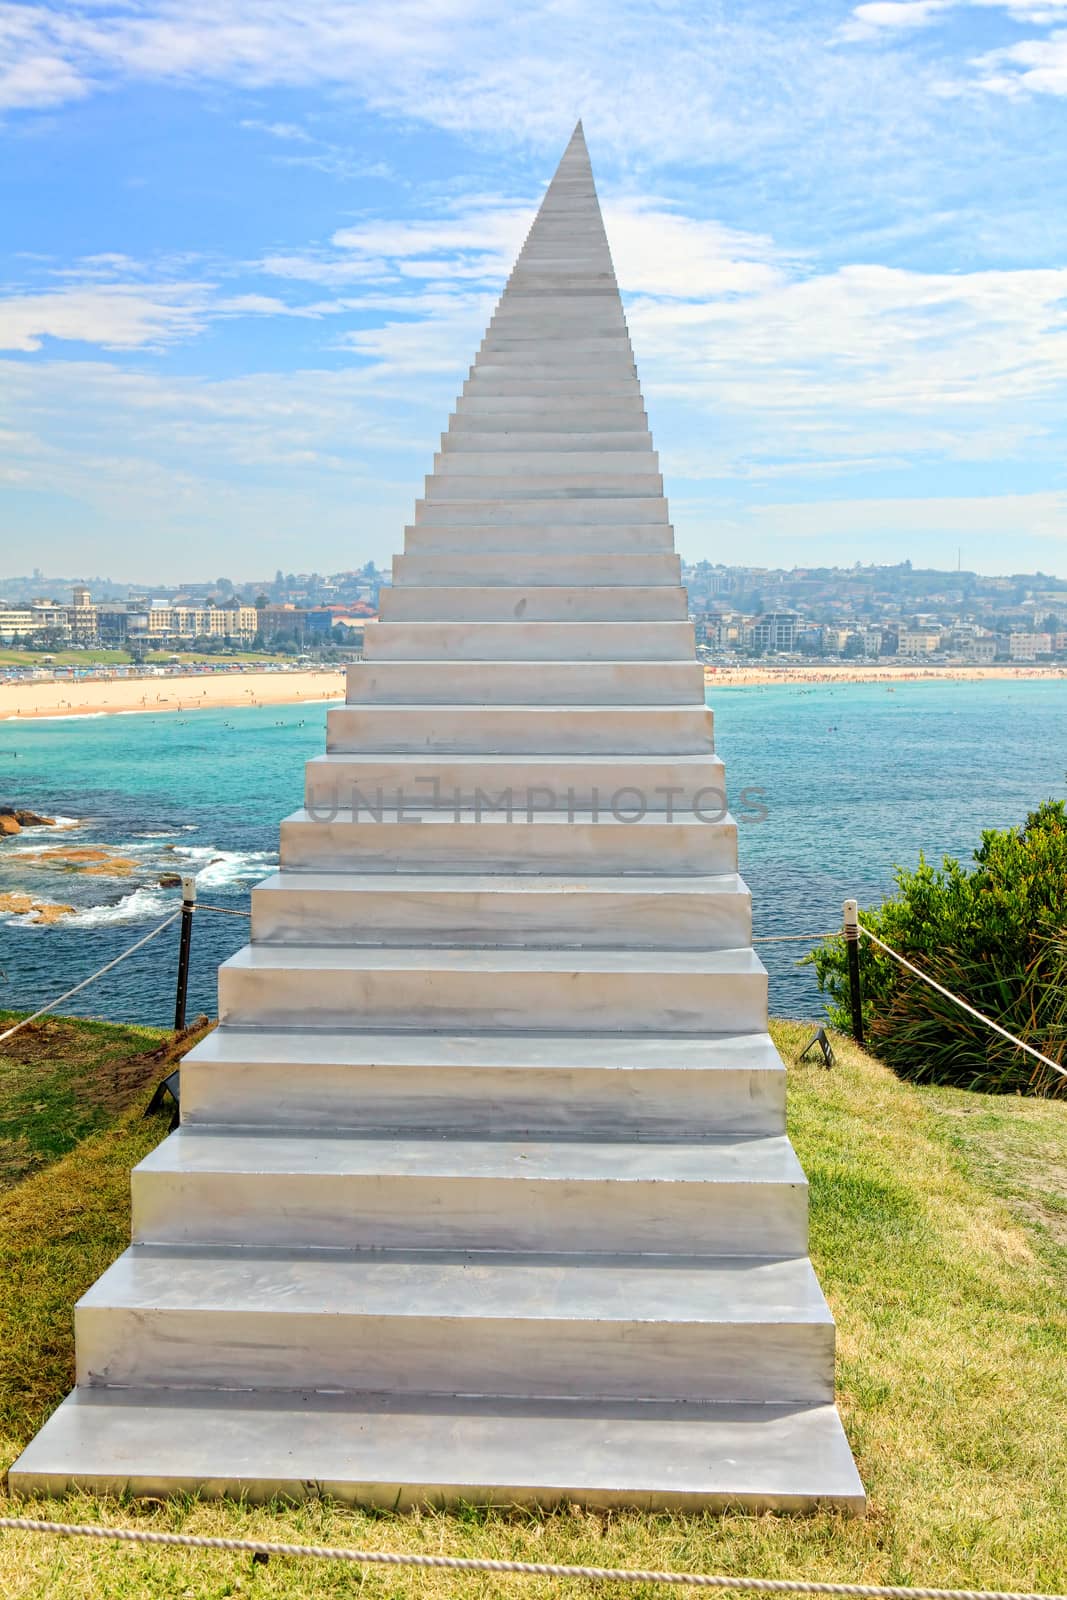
(776, 631)
(918, 641)
(1028, 646)
(482, 1189)
(16, 623)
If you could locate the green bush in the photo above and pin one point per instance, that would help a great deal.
(995, 934)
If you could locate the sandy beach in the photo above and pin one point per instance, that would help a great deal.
(845, 672)
(180, 692)
(201, 691)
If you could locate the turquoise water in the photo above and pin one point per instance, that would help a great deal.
(854, 778)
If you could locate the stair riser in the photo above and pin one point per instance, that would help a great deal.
(636, 920)
(532, 604)
(604, 541)
(612, 411)
(575, 466)
(534, 847)
(458, 1000)
(579, 437)
(566, 485)
(600, 569)
(498, 1101)
(528, 641)
(569, 683)
(148, 1348)
(515, 730)
(413, 1212)
(516, 790)
(532, 513)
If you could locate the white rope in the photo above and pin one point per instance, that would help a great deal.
(58, 1001)
(532, 1569)
(223, 911)
(963, 1004)
(791, 938)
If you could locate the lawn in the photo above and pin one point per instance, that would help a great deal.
(939, 1231)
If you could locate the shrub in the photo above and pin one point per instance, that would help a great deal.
(995, 934)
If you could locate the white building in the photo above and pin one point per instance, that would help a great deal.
(1028, 646)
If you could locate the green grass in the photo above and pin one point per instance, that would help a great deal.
(62, 1079)
(939, 1231)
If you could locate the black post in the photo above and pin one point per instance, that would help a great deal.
(852, 946)
(188, 907)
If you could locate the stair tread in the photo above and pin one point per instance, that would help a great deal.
(452, 1284)
(757, 1159)
(403, 1450)
(568, 1052)
(447, 814)
(418, 759)
(478, 958)
(356, 882)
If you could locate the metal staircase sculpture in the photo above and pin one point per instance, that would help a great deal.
(482, 1189)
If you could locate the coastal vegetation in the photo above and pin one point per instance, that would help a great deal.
(994, 933)
(939, 1232)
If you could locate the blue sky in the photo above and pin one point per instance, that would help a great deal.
(248, 247)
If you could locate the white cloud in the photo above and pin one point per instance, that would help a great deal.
(1034, 66)
(1007, 516)
(657, 84)
(117, 317)
(892, 16)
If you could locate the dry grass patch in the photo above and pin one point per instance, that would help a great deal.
(932, 1236)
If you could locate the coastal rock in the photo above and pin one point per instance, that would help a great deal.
(17, 903)
(8, 823)
(92, 860)
(23, 819)
(170, 880)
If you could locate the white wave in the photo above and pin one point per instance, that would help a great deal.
(134, 907)
(226, 868)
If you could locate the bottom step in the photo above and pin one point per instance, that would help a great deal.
(398, 1452)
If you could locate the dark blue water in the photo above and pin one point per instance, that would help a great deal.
(854, 779)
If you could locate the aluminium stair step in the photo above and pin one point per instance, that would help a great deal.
(516, 1084)
(528, 641)
(364, 908)
(534, 603)
(517, 683)
(524, 787)
(462, 729)
(531, 513)
(480, 988)
(487, 1323)
(400, 1452)
(714, 1197)
(548, 568)
(424, 839)
(596, 538)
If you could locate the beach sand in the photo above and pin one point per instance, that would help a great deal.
(192, 692)
(830, 672)
(197, 692)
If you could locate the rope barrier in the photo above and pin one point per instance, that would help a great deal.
(58, 1001)
(531, 1569)
(797, 938)
(964, 1005)
(223, 911)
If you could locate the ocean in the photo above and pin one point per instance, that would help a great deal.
(851, 778)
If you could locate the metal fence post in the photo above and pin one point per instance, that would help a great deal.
(188, 907)
(852, 946)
